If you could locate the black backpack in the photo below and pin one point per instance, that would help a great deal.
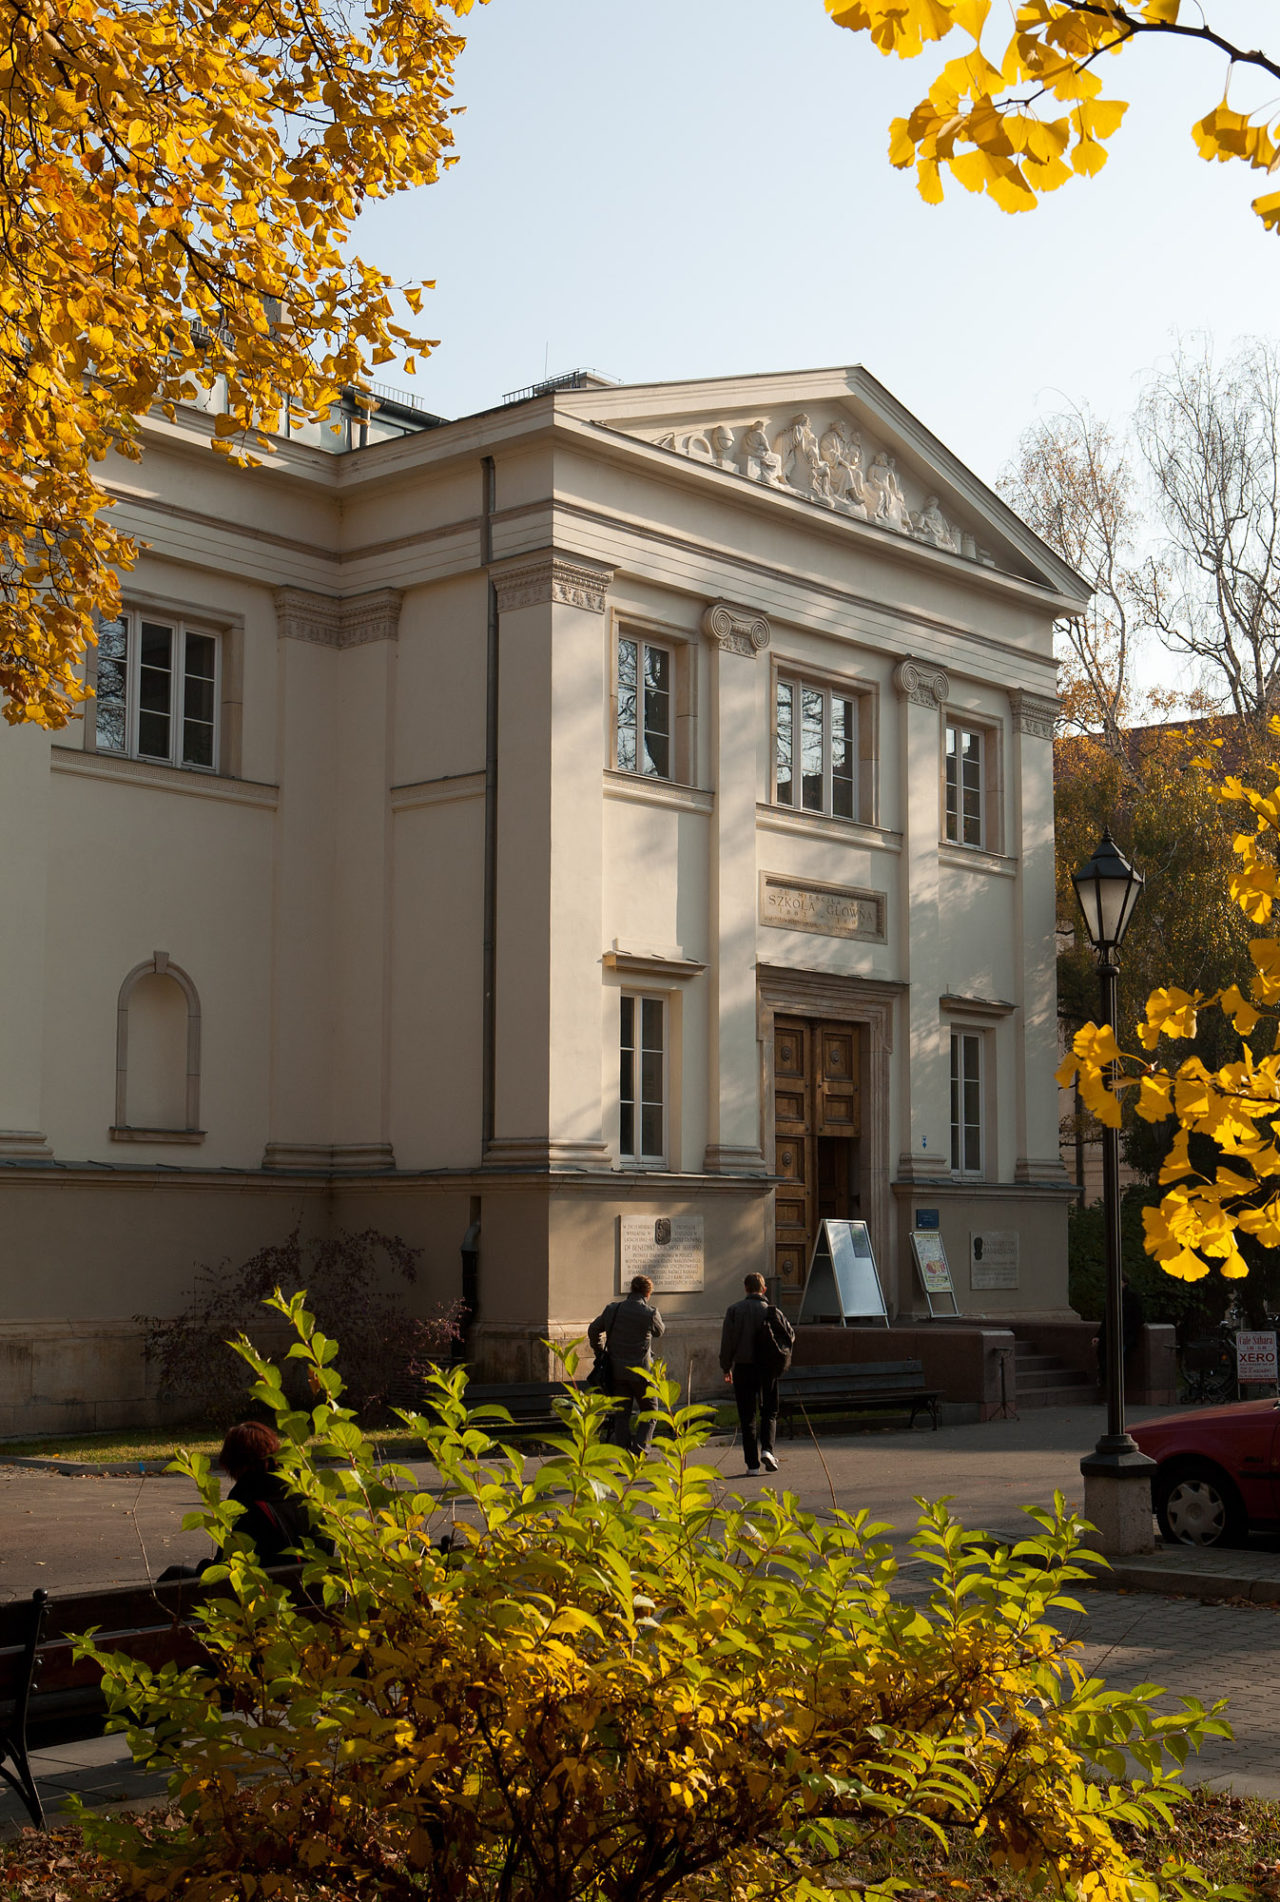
(774, 1341)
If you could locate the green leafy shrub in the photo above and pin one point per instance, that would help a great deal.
(616, 1684)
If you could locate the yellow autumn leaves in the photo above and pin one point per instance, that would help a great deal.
(180, 178)
(1033, 115)
(1237, 1106)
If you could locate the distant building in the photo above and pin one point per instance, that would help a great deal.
(622, 819)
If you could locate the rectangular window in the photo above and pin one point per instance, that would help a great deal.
(642, 1132)
(815, 749)
(966, 1102)
(157, 691)
(645, 687)
(965, 786)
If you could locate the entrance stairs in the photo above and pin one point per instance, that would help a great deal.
(1042, 1380)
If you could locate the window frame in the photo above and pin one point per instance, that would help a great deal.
(990, 827)
(963, 1035)
(862, 701)
(182, 630)
(639, 1157)
(643, 640)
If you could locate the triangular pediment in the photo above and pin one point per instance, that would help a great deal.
(839, 441)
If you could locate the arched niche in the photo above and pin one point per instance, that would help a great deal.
(158, 1055)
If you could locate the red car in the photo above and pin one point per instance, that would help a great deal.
(1217, 1474)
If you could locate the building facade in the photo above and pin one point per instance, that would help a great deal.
(622, 819)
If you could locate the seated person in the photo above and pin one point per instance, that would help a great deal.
(275, 1520)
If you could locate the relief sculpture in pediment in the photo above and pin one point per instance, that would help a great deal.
(841, 452)
(826, 466)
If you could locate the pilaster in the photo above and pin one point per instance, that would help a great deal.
(24, 856)
(331, 928)
(923, 692)
(1036, 1148)
(548, 1112)
(734, 1136)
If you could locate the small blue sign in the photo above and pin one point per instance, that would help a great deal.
(926, 1218)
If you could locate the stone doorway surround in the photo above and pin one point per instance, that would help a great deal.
(786, 992)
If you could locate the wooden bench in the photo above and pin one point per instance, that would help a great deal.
(861, 1387)
(47, 1696)
(531, 1404)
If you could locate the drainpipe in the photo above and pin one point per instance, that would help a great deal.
(490, 955)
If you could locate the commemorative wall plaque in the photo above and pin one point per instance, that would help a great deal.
(667, 1248)
(993, 1258)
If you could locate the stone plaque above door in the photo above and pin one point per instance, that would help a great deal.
(833, 911)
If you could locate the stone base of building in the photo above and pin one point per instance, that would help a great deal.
(103, 1244)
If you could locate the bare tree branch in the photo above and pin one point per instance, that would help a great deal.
(1210, 435)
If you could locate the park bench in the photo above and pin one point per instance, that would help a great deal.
(867, 1387)
(531, 1404)
(47, 1696)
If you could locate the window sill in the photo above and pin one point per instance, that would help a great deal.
(976, 858)
(656, 792)
(128, 1133)
(821, 825)
(648, 1167)
(194, 781)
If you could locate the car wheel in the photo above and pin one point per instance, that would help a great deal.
(1196, 1504)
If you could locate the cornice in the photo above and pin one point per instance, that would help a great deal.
(325, 620)
(726, 556)
(531, 581)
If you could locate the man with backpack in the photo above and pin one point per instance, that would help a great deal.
(755, 1348)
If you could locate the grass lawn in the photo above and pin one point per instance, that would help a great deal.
(1233, 1839)
(142, 1443)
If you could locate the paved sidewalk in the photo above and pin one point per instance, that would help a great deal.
(75, 1533)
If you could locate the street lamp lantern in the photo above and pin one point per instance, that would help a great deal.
(1117, 1477)
(1108, 889)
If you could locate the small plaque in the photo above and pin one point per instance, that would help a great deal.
(667, 1248)
(927, 1218)
(832, 911)
(993, 1258)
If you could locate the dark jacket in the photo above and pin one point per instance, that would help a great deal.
(274, 1518)
(741, 1331)
(629, 1329)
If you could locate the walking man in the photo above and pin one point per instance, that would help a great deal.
(628, 1328)
(746, 1359)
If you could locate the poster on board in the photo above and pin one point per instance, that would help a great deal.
(933, 1269)
(843, 1283)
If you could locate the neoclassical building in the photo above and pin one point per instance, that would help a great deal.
(621, 819)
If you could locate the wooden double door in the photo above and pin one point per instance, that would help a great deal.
(817, 1104)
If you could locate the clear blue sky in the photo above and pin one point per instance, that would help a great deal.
(686, 188)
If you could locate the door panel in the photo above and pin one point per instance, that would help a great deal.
(793, 1158)
(838, 1098)
(817, 1110)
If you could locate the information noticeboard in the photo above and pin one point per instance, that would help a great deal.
(843, 1284)
(1256, 1360)
(933, 1268)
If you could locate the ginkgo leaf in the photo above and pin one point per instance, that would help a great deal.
(1051, 52)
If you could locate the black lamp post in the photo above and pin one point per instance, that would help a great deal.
(1108, 888)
